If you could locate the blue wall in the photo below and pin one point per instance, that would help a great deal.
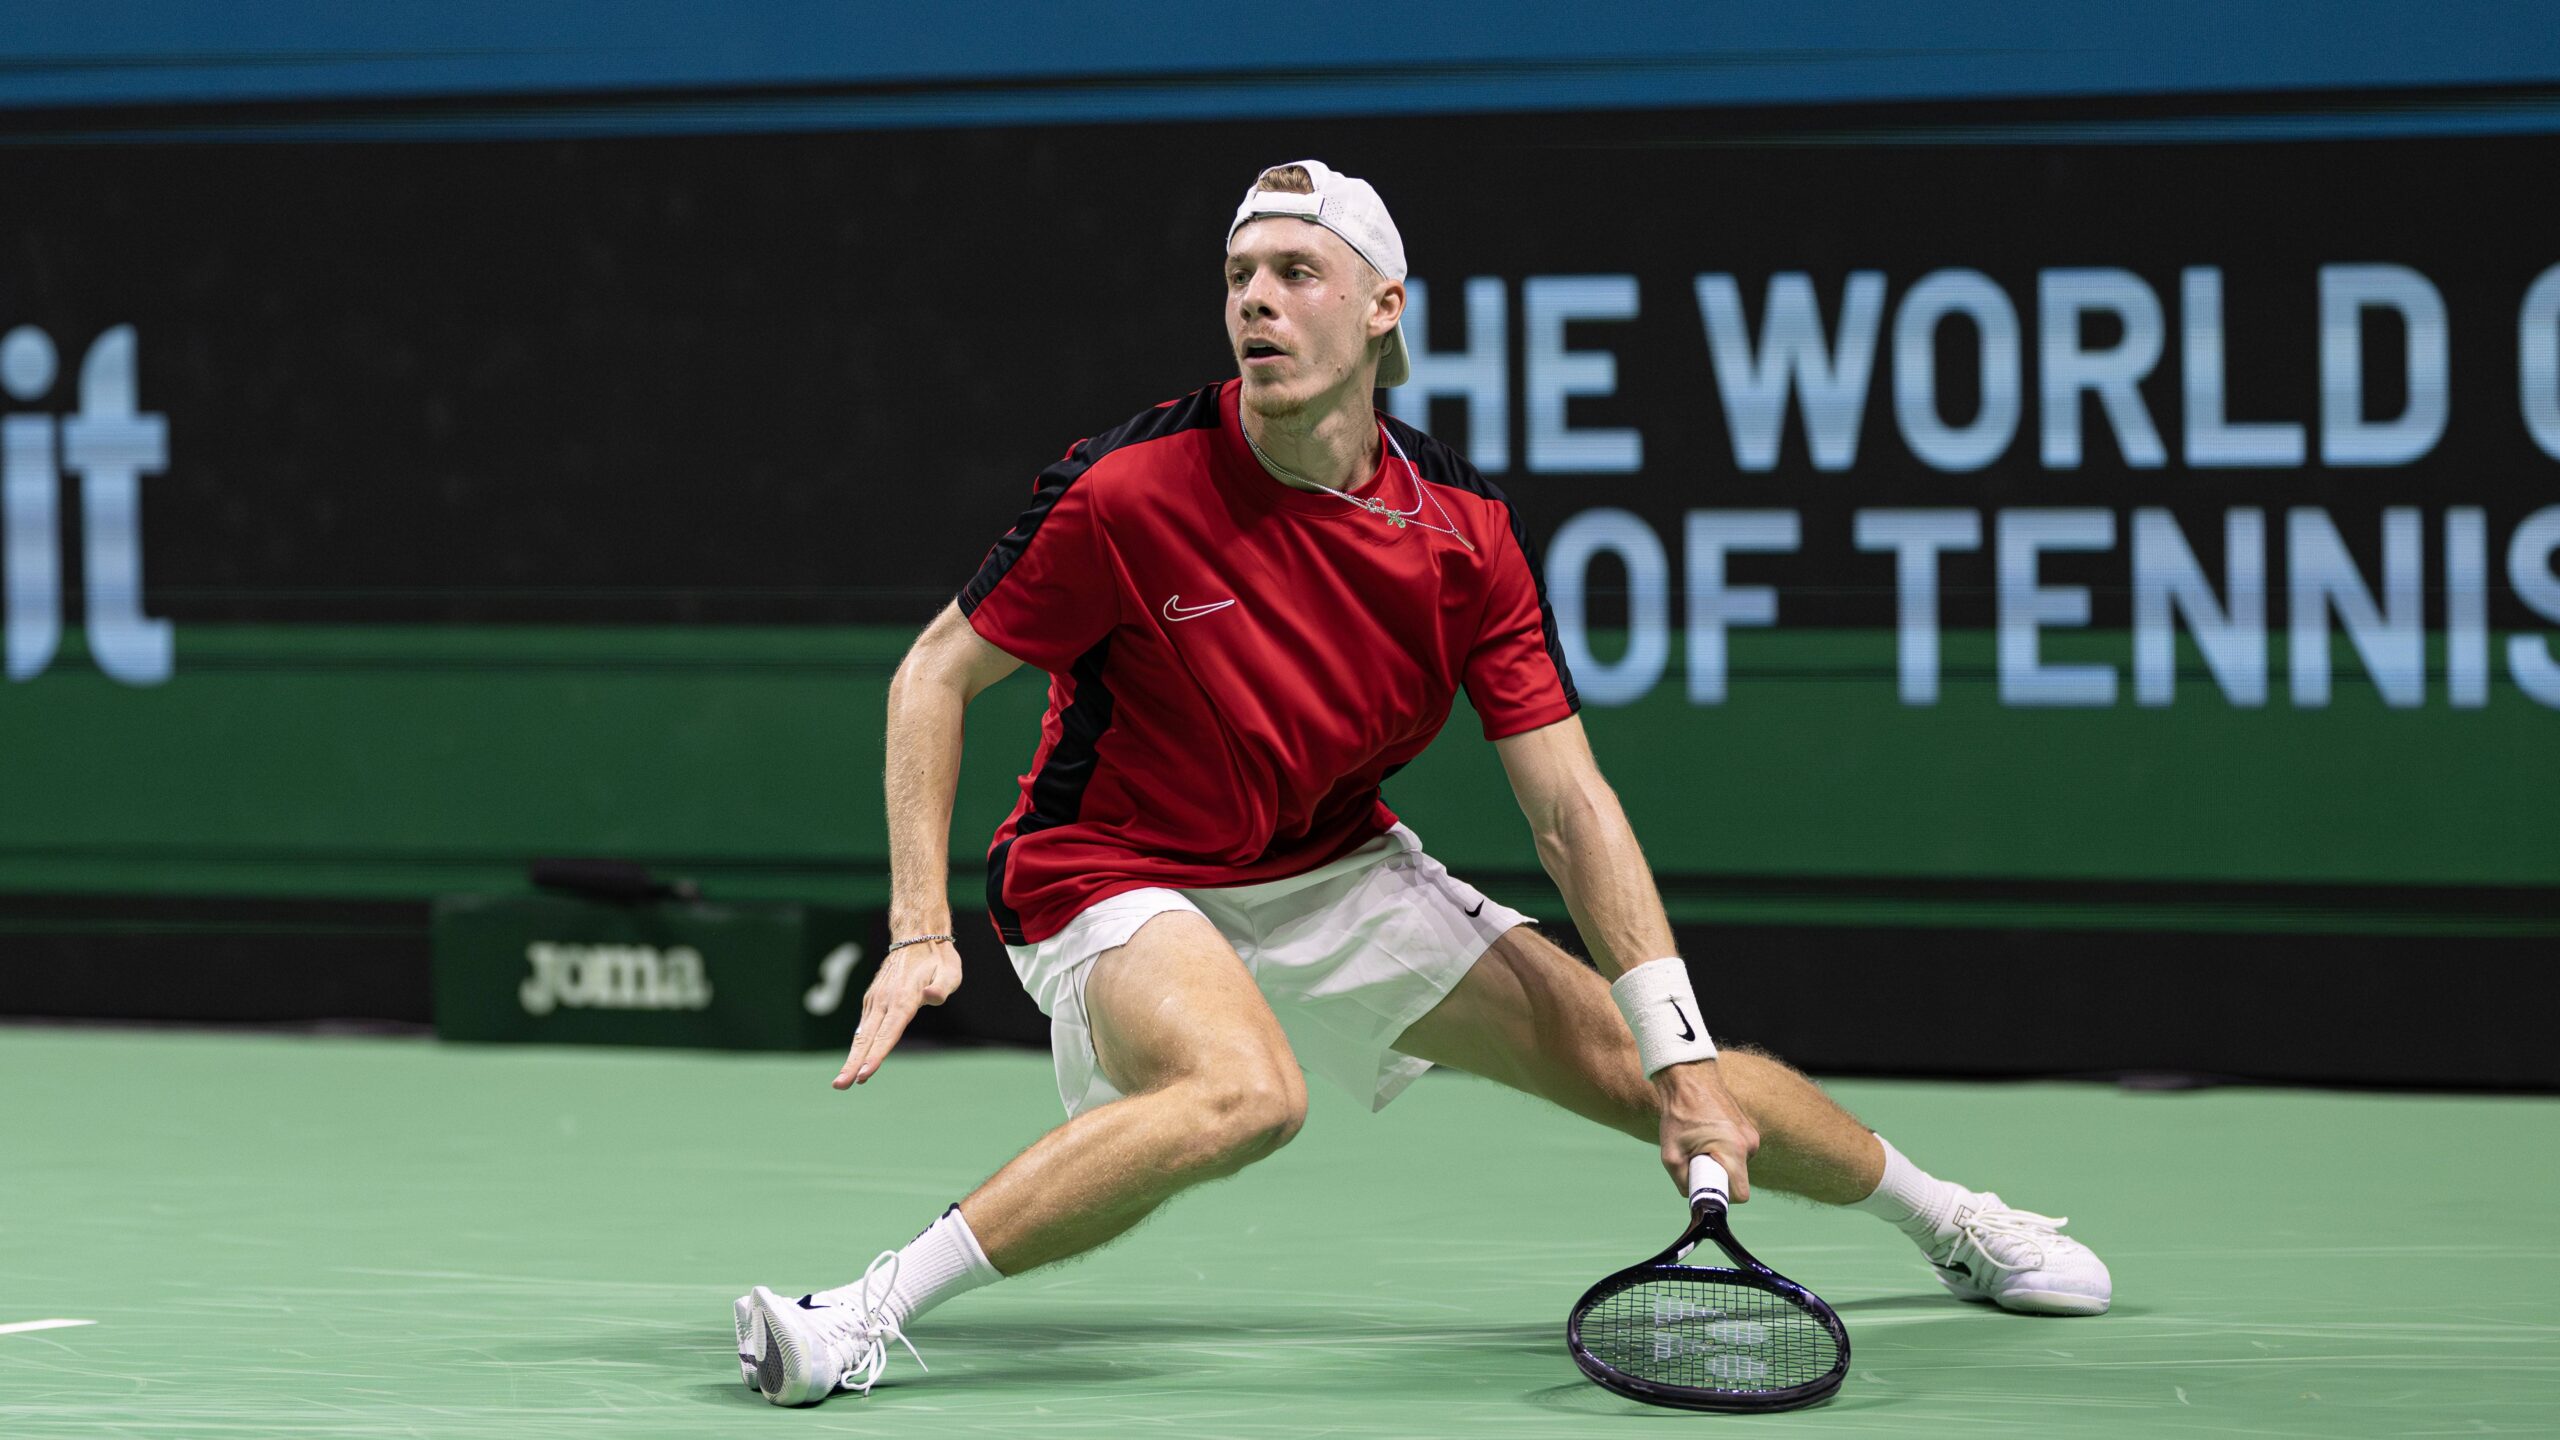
(659, 66)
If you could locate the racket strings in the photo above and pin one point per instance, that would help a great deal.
(1710, 1335)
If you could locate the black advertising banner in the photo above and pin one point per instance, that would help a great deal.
(807, 377)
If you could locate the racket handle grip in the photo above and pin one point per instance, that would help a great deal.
(1706, 1177)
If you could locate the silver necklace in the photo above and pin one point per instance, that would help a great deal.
(1398, 518)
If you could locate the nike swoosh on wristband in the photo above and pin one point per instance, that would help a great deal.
(1174, 609)
(1687, 1032)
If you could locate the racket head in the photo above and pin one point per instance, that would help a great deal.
(1708, 1338)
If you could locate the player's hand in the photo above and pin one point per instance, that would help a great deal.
(1700, 1117)
(914, 977)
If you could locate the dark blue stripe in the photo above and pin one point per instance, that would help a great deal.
(2359, 118)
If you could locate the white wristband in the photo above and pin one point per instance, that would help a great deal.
(1662, 1010)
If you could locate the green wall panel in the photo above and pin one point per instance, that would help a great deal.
(1813, 766)
(397, 761)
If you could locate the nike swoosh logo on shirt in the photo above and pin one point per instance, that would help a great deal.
(1476, 911)
(1174, 609)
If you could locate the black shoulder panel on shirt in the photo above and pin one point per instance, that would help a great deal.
(1195, 411)
(1057, 791)
(1442, 465)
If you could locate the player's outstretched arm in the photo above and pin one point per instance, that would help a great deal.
(944, 670)
(1590, 851)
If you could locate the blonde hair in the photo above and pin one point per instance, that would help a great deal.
(1288, 179)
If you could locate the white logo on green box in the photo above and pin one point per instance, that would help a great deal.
(613, 977)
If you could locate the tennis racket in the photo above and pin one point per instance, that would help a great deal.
(1708, 1337)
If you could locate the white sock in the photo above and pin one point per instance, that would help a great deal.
(1914, 1202)
(944, 1261)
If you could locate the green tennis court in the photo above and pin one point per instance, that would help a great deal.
(283, 1236)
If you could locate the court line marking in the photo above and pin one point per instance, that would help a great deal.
(23, 1326)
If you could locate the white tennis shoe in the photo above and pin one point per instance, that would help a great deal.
(799, 1352)
(2019, 1260)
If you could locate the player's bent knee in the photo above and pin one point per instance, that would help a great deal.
(1246, 1116)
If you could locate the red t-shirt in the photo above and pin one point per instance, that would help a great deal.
(1235, 665)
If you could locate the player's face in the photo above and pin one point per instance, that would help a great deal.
(1304, 313)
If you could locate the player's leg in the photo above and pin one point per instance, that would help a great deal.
(1210, 1087)
(1202, 1084)
(1539, 1020)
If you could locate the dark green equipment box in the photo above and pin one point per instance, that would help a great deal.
(560, 969)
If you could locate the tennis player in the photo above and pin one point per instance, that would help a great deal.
(1254, 604)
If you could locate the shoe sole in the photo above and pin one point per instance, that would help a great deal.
(2052, 1302)
(783, 1376)
(743, 1311)
(2028, 1302)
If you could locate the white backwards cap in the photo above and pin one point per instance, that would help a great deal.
(1349, 207)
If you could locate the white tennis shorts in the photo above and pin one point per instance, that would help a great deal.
(1349, 955)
